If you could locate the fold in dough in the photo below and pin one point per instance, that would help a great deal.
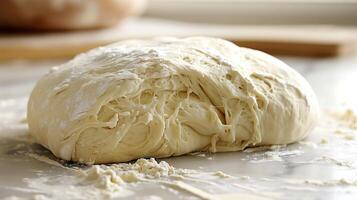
(168, 97)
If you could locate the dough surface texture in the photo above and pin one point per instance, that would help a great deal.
(168, 97)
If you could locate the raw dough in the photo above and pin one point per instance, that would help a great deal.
(168, 97)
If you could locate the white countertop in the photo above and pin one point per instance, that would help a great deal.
(315, 169)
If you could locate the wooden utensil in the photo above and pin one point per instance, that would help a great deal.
(285, 40)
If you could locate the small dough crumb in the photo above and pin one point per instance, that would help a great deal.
(347, 118)
(323, 141)
(339, 182)
(245, 177)
(222, 174)
(349, 137)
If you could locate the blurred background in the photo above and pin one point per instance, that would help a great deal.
(316, 37)
(339, 12)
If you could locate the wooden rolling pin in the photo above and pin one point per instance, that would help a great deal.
(317, 41)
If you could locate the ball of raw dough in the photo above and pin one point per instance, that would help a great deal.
(168, 97)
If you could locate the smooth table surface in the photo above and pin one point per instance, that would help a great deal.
(313, 169)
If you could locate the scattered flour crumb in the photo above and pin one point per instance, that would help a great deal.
(309, 144)
(349, 137)
(143, 170)
(245, 177)
(345, 135)
(273, 156)
(117, 174)
(338, 132)
(349, 118)
(323, 141)
(177, 177)
(336, 162)
(222, 174)
(339, 182)
(107, 181)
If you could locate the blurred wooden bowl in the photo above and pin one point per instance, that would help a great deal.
(52, 15)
